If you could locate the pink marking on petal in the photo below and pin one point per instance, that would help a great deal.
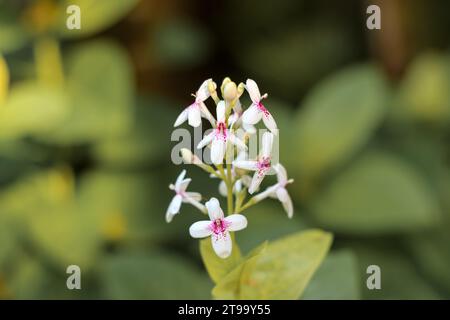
(221, 131)
(264, 164)
(219, 226)
(263, 109)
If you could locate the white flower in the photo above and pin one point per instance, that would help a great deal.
(236, 119)
(220, 136)
(262, 165)
(197, 109)
(182, 195)
(218, 228)
(256, 111)
(278, 191)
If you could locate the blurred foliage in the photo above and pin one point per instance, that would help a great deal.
(85, 123)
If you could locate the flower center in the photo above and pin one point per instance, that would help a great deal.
(221, 130)
(262, 109)
(219, 226)
(264, 164)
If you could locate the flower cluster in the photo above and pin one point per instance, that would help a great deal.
(231, 131)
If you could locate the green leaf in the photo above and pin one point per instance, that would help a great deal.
(96, 15)
(269, 222)
(33, 109)
(400, 278)
(217, 267)
(134, 147)
(12, 35)
(100, 85)
(285, 268)
(152, 276)
(229, 285)
(379, 193)
(67, 236)
(431, 252)
(338, 117)
(424, 94)
(336, 279)
(123, 205)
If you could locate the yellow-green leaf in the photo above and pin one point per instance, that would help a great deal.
(338, 117)
(217, 267)
(230, 284)
(285, 268)
(33, 109)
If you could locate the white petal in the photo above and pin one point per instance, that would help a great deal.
(196, 204)
(183, 185)
(281, 173)
(220, 111)
(269, 122)
(217, 150)
(214, 210)
(246, 164)
(252, 115)
(223, 189)
(222, 244)
(206, 140)
(236, 141)
(203, 92)
(200, 229)
(194, 196)
(236, 222)
(253, 90)
(249, 128)
(174, 207)
(194, 116)
(238, 107)
(266, 193)
(256, 181)
(285, 199)
(267, 142)
(181, 118)
(180, 179)
(242, 155)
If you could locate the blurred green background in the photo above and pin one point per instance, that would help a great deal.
(85, 126)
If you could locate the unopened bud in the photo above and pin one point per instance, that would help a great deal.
(230, 91)
(224, 83)
(240, 89)
(189, 157)
(212, 86)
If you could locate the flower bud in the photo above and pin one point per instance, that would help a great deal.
(189, 157)
(224, 83)
(212, 86)
(230, 91)
(4, 80)
(240, 89)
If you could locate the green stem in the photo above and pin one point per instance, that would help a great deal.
(229, 183)
(249, 203)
